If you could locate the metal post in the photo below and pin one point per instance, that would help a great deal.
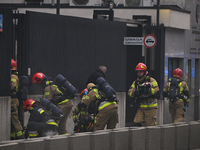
(158, 12)
(58, 7)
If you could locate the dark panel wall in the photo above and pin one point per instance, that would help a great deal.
(134, 56)
(75, 47)
(6, 43)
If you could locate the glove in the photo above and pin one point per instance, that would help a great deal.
(185, 108)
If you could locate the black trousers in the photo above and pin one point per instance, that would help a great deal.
(37, 129)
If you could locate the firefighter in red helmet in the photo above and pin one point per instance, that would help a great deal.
(54, 95)
(16, 127)
(177, 92)
(144, 90)
(41, 123)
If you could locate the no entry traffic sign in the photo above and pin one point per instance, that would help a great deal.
(149, 41)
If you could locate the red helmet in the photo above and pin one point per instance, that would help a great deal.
(37, 78)
(177, 73)
(141, 66)
(13, 64)
(84, 92)
(28, 104)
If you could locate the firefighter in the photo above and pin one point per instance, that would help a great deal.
(16, 127)
(81, 117)
(105, 112)
(41, 122)
(54, 95)
(144, 90)
(98, 73)
(177, 92)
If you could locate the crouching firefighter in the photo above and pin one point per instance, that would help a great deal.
(144, 90)
(59, 92)
(177, 92)
(41, 122)
(83, 121)
(102, 102)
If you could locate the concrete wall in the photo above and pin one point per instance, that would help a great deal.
(5, 114)
(181, 136)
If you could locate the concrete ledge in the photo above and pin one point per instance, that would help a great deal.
(79, 141)
(32, 145)
(99, 141)
(181, 136)
(194, 134)
(10, 146)
(5, 117)
(153, 138)
(119, 139)
(137, 137)
(56, 142)
(167, 137)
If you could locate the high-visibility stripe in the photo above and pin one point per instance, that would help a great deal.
(82, 113)
(154, 83)
(133, 85)
(151, 105)
(64, 134)
(19, 133)
(46, 93)
(152, 91)
(106, 104)
(57, 88)
(33, 135)
(12, 134)
(13, 80)
(40, 110)
(64, 101)
(52, 123)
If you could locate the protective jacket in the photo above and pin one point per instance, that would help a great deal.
(176, 108)
(147, 100)
(93, 77)
(103, 110)
(182, 89)
(40, 122)
(53, 94)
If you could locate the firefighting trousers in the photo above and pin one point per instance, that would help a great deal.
(176, 111)
(147, 117)
(107, 116)
(66, 109)
(16, 127)
(37, 129)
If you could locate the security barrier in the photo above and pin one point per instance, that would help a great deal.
(170, 136)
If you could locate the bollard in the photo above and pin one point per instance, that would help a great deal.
(137, 138)
(182, 136)
(99, 140)
(153, 138)
(119, 139)
(194, 134)
(167, 137)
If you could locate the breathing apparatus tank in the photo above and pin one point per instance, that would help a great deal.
(109, 92)
(57, 113)
(65, 86)
(23, 88)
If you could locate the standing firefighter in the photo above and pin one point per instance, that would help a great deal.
(144, 91)
(16, 127)
(53, 93)
(177, 91)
